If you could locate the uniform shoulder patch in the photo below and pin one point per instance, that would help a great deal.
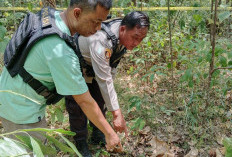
(108, 53)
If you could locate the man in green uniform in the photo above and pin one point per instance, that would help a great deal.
(54, 63)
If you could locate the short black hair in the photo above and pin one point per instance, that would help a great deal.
(136, 19)
(90, 5)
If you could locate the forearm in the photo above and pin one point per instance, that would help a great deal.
(108, 93)
(93, 112)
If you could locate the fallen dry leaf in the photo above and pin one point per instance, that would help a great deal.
(212, 152)
(218, 153)
(148, 151)
(193, 153)
(223, 150)
(170, 155)
(176, 150)
(159, 147)
(141, 141)
(228, 124)
(174, 138)
(141, 151)
(170, 129)
(149, 137)
(220, 139)
(192, 143)
(146, 130)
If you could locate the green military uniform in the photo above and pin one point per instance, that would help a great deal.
(54, 64)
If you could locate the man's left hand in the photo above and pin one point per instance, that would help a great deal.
(119, 123)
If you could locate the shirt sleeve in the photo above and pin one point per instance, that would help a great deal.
(64, 67)
(114, 72)
(100, 52)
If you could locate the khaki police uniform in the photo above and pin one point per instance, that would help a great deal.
(96, 50)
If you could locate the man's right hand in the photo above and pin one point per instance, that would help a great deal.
(94, 114)
(113, 143)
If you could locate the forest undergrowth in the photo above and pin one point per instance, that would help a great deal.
(174, 104)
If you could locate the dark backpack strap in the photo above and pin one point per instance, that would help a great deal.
(78, 52)
(116, 57)
(51, 97)
(110, 35)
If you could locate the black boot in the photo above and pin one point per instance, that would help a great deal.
(98, 137)
(83, 148)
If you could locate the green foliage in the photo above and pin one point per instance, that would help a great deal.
(57, 112)
(150, 62)
(30, 6)
(163, 3)
(60, 145)
(138, 124)
(35, 145)
(71, 145)
(227, 142)
(135, 102)
(2, 31)
(51, 130)
(11, 147)
(3, 39)
(223, 61)
(123, 3)
(166, 111)
(47, 150)
(182, 23)
(197, 18)
(224, 15)
(36, 148)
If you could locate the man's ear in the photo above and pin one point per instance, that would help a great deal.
(122, 29)
(77, 12)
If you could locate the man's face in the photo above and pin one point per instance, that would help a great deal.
(90, 22)
(131, 38)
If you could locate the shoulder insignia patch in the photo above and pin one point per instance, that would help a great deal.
(108, 53)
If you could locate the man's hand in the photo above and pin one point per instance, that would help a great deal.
(113, 143)
(94, 114)
(119, 123)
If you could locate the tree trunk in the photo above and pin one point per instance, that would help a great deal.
(50, 3)
(229, 21)
(213, 36)
(13, 2)
(171, 52)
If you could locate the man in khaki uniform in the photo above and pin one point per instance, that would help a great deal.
(102, 53)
